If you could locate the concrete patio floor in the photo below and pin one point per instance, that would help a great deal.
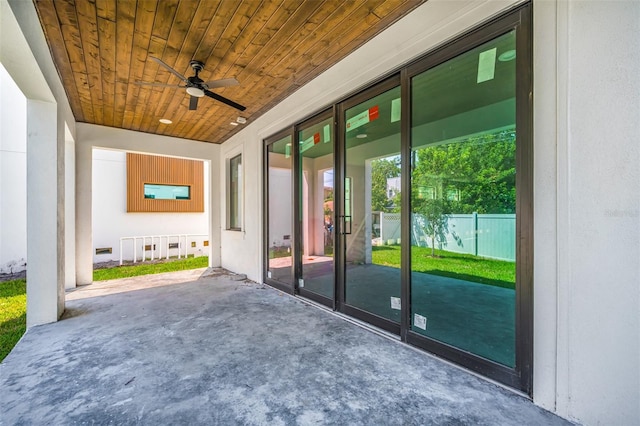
(183, 349)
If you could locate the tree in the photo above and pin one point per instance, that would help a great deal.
(475, 175)
(381, 170)
(435, 213)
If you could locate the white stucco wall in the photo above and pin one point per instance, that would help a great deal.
(111, 220)
(110, 143)
(13, 176)
(586, 185)
(587, 284)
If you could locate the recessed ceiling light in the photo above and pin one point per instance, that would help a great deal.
(507, 56)
(233, 123)
(361, 136)
(165, 121)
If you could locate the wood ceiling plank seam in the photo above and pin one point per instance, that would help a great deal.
(145, 18)
(51, 27)
(107, 30)
(262, 38)
(178, 105)
(308, 38)
(206, 52)
(328, 40)
(106, 9)
(261, 80)
(140, 57)
(68, 21)
(199, 26)
(284, 52)
(292, 86)
(248, 34)
(348, 35)
(177, 35)
(91, 46)
(342, 49)
(260, 17)
(305, 8)
(179, 110)
(143, 48)
(278, 42)
(126, 23)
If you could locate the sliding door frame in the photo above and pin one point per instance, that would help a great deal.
(519, 377)
(341, 166)
(265, 216)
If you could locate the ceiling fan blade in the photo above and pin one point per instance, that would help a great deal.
(225, 82)
(193, 103)
(182, 77)
(224, 100)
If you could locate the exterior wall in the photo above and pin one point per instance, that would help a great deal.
(586, 187)
(112, 143)
(587, 206)
(111, 220)
(13, 176)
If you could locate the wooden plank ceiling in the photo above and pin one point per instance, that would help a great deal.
(272, 47)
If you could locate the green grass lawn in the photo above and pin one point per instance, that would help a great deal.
(13, 295)
(448, 264)
(150, 268)
(13, 314)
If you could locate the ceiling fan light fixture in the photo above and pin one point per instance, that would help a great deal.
(194, 91)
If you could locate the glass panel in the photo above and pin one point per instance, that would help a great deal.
(280, 166)
(372, 205)
(316, 207)
(463, 201)
(235, 192)
(166, 192)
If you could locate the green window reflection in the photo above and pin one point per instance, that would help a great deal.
(463, 208)
(280, 231)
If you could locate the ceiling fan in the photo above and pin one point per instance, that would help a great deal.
(196, 87)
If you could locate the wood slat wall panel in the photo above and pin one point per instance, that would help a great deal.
(153, 169)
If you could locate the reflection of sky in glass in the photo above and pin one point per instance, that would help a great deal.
(166, 192)
(328, 178)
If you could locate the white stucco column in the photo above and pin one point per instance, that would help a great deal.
(45, 214)
(84, 232)
(215, 221)
(70, 211)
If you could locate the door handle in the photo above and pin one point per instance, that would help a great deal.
(346, 220)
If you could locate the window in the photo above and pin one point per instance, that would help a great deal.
(235, 192)
(167, 192)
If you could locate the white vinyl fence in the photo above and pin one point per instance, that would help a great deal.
(141, 248)
(485, 235)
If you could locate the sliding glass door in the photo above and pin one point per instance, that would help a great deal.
(409, 204)
(315, 143)
(371, 207)
(279, 230)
